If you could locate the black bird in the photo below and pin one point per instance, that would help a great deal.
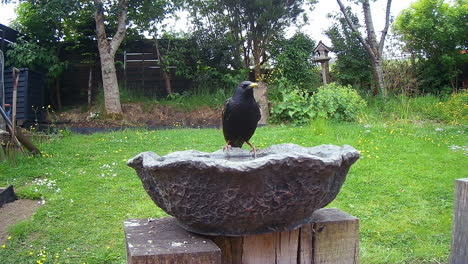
(240, 116)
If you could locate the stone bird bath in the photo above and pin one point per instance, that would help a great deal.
(234, 194)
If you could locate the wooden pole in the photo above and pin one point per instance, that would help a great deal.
(15, 95)
(459, 252)
(324, 72)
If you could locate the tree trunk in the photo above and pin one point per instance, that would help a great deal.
(109, 83)
(165, 75)
(373, 48)
(90, 85)
(377, 66)
(260, 92)
(107, 50)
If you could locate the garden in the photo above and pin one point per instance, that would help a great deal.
(408, 120)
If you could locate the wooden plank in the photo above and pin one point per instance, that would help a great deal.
(259, 249)
(287, 246)
(231, 248)
(459, 251)
(158, 241)
(335, 237)
(305, 245)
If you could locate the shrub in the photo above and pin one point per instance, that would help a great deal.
(341, 103)
(294, 107)
(455, 110)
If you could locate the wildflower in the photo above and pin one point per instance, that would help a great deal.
(9, 237)
(3, 246)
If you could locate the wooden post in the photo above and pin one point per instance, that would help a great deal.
(16, 73)
(459, 252)
(158, 241)
(331, 238)
(335, 237)
(324, 72)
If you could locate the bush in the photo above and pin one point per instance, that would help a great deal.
(341, 103)
(294, 107)
(455, 110)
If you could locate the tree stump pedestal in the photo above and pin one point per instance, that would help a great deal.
(331, 237)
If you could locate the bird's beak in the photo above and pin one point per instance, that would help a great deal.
(253, 85)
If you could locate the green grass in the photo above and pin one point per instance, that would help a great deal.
(401, 189)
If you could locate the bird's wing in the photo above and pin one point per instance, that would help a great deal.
(258, 113)
(226, 110)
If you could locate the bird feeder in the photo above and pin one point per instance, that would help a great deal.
(321, 55)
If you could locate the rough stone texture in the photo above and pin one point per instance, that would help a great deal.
(235, 194)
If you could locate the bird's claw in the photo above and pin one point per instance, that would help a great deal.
(254, 151)
(227, 148)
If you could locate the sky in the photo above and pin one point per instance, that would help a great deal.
(318, 20)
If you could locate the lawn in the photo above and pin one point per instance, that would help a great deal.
(401, 189)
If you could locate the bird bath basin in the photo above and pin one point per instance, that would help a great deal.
(235, 194)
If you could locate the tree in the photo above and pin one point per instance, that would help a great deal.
(435, 32)
(45, 24)
(353, 65)
(107, 50)
(373, 47)
(292, 60)
(251, 25)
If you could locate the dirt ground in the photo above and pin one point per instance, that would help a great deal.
(141, 115)
(14, 212)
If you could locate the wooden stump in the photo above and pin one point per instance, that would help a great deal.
(459, 252)
(332, 238)
(157, 241)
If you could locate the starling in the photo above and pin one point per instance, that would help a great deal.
(240, 116)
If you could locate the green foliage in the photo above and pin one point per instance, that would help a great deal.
(341, 103)
(29, 54)
(352, 66)
(401, 77)
(435, 31)
(455, 109)
(336, 102)
(248, 25)
(295, 107)
(292, 60)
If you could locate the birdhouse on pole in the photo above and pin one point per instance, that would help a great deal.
(321, 55)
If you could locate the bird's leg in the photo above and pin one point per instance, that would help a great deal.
(254, 149)
(228, 146)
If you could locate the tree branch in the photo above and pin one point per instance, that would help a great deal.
(100, 28)
(385, 30)
(354, 29)
(121, 27)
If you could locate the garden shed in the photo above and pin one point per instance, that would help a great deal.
(30, 95)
